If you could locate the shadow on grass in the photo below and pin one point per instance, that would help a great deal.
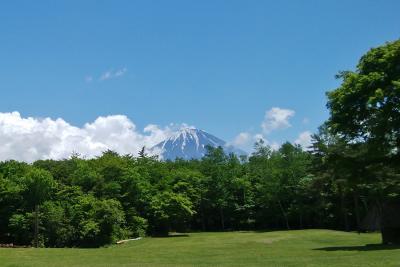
(368, 247)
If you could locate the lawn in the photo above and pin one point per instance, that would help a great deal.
(280, 248)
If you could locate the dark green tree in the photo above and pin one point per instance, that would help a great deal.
(365, 112)
(39, 185)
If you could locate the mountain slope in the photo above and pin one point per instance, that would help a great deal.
(190, 143)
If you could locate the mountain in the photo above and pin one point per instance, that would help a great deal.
(190, 143)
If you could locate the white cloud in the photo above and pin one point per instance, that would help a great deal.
(242, 139)
(113, 74)
(246, 141)
(276, 118)
(29, 139)
(259, 137)
(275, 145)
(304, 139)
(120, 72)
(105, 76)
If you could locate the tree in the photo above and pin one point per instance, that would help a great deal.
(217, 182)
(169, 211)
(366, 106)
(11, 196)
(142, 153)
(365, 112)
(337, 163)
(39, 186)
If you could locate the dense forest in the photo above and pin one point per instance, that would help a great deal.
(348, 179)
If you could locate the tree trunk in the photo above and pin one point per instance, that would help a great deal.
(36, 236)
(390, 222)
(301, 220)
(221, 212)
(346, 221)
(343, 210)
(203, 224)
(357, 209)
(284, 215)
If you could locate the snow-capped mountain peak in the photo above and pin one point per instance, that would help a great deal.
(190, 143)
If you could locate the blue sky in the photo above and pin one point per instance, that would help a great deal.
(218, 65)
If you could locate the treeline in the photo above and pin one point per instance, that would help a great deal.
(94, 202)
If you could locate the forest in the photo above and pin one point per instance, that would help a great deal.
(348, 179)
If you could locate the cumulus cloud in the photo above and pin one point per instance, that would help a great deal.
(246, 141)
(274, 145)
(304, 139)
(30, 139)
(277, 118)
(242, 139)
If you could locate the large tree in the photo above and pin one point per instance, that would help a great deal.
(39, 186)
(365, 111)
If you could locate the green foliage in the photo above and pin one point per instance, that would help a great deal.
(97, 222)
(137, 226)
(366, 106)
(21, 228)
(91, 203)
(364, 124)
(38, 185)
(169, 210)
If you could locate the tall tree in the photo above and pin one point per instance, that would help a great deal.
(365, 111)
(39, 186)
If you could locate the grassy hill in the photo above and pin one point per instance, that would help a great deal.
(281, 248)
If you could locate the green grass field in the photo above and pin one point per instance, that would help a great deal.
(281, 248)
